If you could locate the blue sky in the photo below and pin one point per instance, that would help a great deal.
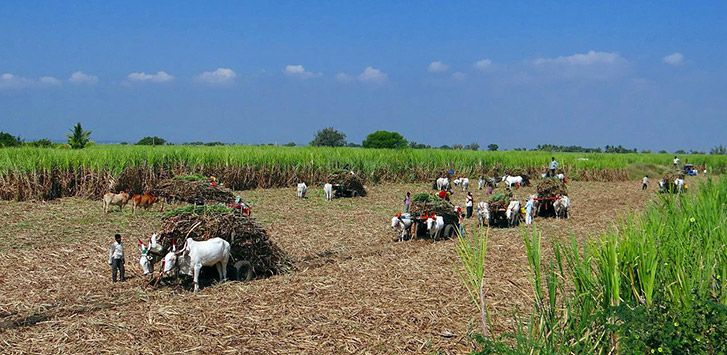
(649, 75)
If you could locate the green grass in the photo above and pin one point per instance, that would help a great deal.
(655, 284)
(116, 157)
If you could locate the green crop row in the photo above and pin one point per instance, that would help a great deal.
(115, 158)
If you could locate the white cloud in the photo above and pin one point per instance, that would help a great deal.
(437, 67)
(674, 59)
(484, 64)
(159, 77)
(343, 78)
(459, 76)
(299, 72)
(10, 81)
(593, 65)
(221, 76)
(372, 76)
(80, 78)
(49, 80)
(590, 58)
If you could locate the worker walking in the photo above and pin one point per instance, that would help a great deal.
(407, 202)
(553, 165)
(676, 162)
(116, 258)
(645, 182)
(528, 210)
(469, 204)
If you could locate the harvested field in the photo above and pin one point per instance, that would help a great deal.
(352, 289)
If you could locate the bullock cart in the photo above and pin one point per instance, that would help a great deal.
(252, 254)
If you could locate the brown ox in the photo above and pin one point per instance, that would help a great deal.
(120, 199)
(145, 201)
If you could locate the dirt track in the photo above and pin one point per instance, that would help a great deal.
(353, 289)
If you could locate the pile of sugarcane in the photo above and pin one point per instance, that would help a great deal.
(427, 205)
(194, 191)
(550, 187)
(349, 181)
(248, 239)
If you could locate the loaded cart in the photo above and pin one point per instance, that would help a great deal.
(545, 206)
(498, 215)
(347, 184)
(548, 191)
(448, 231)
(425, 207)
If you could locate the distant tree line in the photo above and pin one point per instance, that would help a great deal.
(79, 138)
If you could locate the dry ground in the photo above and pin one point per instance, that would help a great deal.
(352, 290)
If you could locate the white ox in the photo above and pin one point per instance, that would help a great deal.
(483, 213)
(561, 207)
(464, 182)
(120, 199)
(302, 189)
(442, 184)
(328, 191)
(512, 180)
(402, 225)
(194, 255)
(435, 225)
(513, 213)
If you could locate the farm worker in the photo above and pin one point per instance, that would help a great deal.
(676, 161)
(442, 194)
(469, 204)
(645, 182)
(116, 258)
(407, 202)
(480, 183)
(553, 165)
(528, 210)
(489, 189)
(213, 181)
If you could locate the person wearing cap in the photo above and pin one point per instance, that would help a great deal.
(116, 258)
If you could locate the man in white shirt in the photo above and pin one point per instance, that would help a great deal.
(646, 182)
(553, 165)
(676, 162)
(116, 258)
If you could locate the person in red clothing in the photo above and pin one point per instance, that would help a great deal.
(444, 194)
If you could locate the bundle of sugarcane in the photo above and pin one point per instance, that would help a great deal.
(550, 187)
(349, 181)
(192, 191)
(248, 239)
(433, 206)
